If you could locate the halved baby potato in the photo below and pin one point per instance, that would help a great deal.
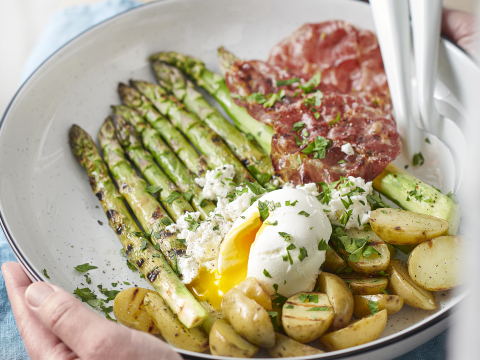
(357, 333)
(340, 297)
(391, 303)
(248, 318)
(361, 285)
(436, 264)
(286, 347)
(224, 341)
(375, 262)
(129, 310)
(402, 227)
(173, 331)
(306, 316)
(401, 284)
(255, 291)
(333, 262)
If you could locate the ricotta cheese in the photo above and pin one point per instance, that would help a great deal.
(219, 182)
(348, 149)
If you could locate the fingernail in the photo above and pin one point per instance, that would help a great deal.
(37, 293)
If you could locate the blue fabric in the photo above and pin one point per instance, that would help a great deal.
(63, 27)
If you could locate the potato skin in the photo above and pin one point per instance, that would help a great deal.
(357, 333)
(362, 285)
(248, 318)
(403, 227)
(286, 347)
(401, 284)
(436, 264)
(302, 324)
(173, 331)
(391, 303)
(374, 263)
(129, 310)
(340, 297)
(255, 291)
(224, 341)
(333, 262)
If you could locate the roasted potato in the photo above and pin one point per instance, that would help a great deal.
(436, 264)
(400, 283)
(173, 331)
(340, 298)
(402, 227)
(248, 318)
(255, 291)
(333, 262)
(306, 316)
(361, 285)
(224, 341)
(391, 303)
(286, 347)
(129, 310)
(357, 333)
(375, 262)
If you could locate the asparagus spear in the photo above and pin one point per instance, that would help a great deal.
(203, 138)
(249, 153)
(145, 207)
(141, 109)
(169, 162)
(215, 85)
(175, 204)
(148, 261)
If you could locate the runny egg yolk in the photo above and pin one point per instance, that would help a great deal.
(232, 263)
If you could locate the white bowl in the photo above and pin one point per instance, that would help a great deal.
(48, 212)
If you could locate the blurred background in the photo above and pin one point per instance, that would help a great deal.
(22, 23)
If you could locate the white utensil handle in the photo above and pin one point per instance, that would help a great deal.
(392, 24)
(426, 20)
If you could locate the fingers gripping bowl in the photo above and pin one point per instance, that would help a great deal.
(61, 199)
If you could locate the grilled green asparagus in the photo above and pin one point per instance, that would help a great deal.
(215, 85)
(146, 208)
(169, 162)
(249, 153)
(175, 204)
(148, 261)
(202, 137)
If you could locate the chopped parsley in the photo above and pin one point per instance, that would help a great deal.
(126, 283)
(311, 298)
(319, 308)
(383, 273)
(336, 120)
(303, 253)
(166, 221)
(427, 140)
(255, 187)
(144, 245)
(83, 268)
(290, 203)
(418, 159)
(265, 272)
(288, 306)
(273, 224)
(287, 82)
(318, 147)
(373, 307)
(188, 195)
(369, 251)
(312, 83)
(174, 195)
(322, 245)
(376, 202)
(183, 241)
(383, 291)
(45, 273)
(153, 189)
(304, 213)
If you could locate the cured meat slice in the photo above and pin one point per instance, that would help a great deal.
(350, 120)
(348, 59)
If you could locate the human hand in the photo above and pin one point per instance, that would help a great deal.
(460, 27)
(56, 325)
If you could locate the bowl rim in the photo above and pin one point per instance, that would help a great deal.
(413, 330)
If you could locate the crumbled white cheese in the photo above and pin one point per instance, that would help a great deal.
(203, 238)
(200, 182)
(354, 210)
(311, 188)
(348, 149)
(219, 182)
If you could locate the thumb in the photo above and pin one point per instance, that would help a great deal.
(88, 334)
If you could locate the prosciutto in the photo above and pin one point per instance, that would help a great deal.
(330, 78)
